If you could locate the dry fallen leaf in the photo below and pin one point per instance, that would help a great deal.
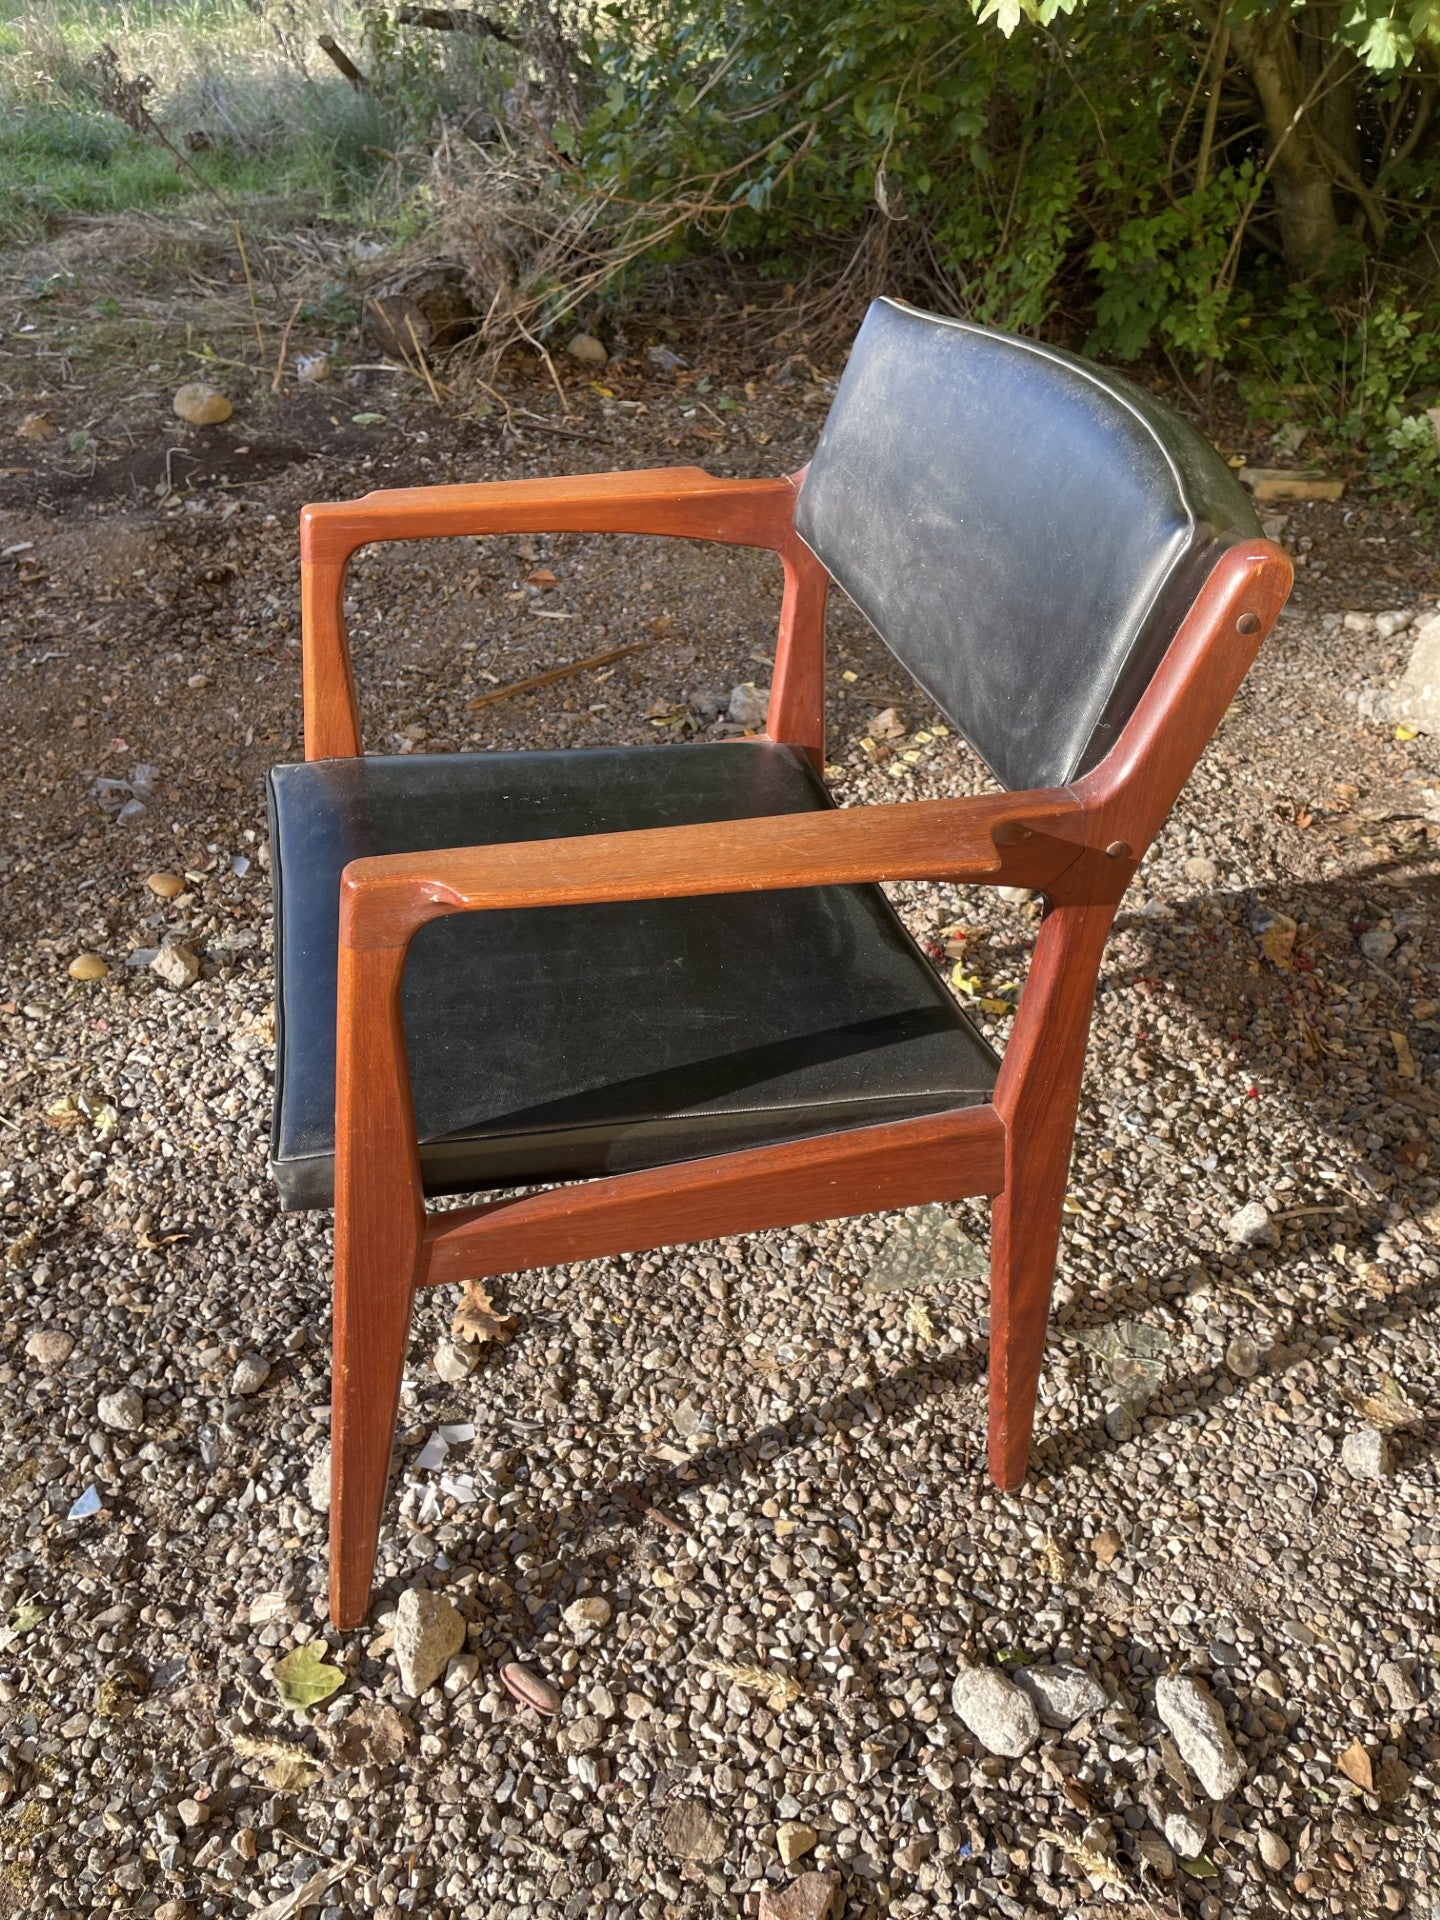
(778, 1690)
(373, 1735)
(542, 577)
(1356, 1765)
(1389, 1409)
(477, 1318)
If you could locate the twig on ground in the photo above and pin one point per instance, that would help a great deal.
(556, 673)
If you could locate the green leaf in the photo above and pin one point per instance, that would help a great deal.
(304, 1678)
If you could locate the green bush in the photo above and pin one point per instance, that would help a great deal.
(1110, 176)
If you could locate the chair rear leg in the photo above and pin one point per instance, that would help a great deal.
(374, 1291)
(1036, 1095)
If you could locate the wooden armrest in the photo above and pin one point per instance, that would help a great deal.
(684, 501)
(1024, 839)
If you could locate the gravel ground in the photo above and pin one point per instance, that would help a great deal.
(765, 1456)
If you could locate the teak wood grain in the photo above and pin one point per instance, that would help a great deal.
(1078, 846)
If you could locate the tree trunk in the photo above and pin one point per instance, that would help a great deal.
(1300, 170)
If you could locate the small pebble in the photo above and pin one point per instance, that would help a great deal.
(529, 1688)
(88, 966)
(166, 886)
(177, 966)
(1366, 1453)
(252, 1370)
(49, 1349)
(122, 1409)
(793, 1839)
(587, 1614)
(1251, 1226)
(201, 405)
(1273, 1850)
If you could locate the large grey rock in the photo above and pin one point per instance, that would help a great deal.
(1195, 1719)
(1417, 698)
(1062, 1694)
(428, 1630)
(1001, 1717)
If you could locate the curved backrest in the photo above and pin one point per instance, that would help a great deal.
(1024, 530)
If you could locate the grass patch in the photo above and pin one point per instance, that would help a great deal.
(240, 86)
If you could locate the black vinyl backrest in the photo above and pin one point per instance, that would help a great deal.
(1024, 530)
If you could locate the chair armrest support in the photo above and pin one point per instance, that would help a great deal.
(1024, 839)
(684, 502)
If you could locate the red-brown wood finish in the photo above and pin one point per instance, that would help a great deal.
(865, 1170)
(1078, 846)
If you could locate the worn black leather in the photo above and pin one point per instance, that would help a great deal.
(562, 1041)
(1023, 529)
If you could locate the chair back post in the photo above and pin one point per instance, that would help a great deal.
(796, 714)
(332, 712)
(1130, 794)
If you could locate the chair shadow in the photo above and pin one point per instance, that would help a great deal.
(1330, 914)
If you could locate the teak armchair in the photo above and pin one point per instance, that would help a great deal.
(666, 976)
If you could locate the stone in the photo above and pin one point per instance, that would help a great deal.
(1403, 1694)
(317, 1483)
(1242, 1357)
(1273, 1850)
(177, 966)
(1016, 896)
(589, 351)
(455, 1360)
(122, 1409)
(811, 1897)
(173, 1910)
(165, 886)
(428, 1630)
(1378, 943)
(87, 966)
(1366, 1452)
(748, 704)
(252, 1370)
(1001, 1717)
(1356, 622)
(194, 1813)
(1157, 1854)
(49, 1349)
(312, 368)
(1186, 1834)
(201, 405)
(1200, 870)
(1417, 697)
(587, 1614)
(1106, 1545)
(793, 1839)
(910, 1857)
(459, 1673)
(1392, 621)
(1062, 1694)
(1194, 1717)
(529, 1688)
(692, 1830)
(1251, 1226)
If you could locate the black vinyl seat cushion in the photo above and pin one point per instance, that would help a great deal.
(570, 1041)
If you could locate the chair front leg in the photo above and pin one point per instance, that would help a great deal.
(379, 1236)
(1036, 1095)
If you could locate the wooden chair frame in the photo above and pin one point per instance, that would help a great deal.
(1077, 845)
